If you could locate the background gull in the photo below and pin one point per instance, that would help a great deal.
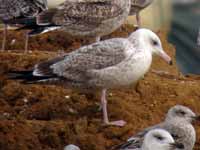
(84, 18)
(19, 12)
(71, 147)
(178, 122)
(137, 6)
(107, 64)
(159, 139)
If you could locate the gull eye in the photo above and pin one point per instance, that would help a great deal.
(181, 112)
(154, 42)
(160, 138)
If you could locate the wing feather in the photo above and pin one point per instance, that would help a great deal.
(82, 14)
(75, 65)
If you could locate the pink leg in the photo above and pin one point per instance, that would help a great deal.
(4, 37)
(138, 19)
(105, 113)
(26, 43)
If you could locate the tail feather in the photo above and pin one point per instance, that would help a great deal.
(22, 21)
(27, 77)
(42, 29)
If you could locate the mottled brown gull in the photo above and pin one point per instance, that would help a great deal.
(103, 65)
(178, 122)
(85, 18)
(19, 12)
(137, 6)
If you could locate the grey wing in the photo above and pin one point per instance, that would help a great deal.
(74, 66)
(86, 15)
(14, 9)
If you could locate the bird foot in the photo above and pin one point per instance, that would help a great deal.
(119, 123)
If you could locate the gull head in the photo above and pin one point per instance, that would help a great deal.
(149, 40)
(71, 147)
(181, 113)
(160, 139)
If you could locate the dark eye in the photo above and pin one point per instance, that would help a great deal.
(181, 112)
(158, 137)
(155, 43)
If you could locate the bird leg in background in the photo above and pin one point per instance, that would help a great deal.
(97, 39)
(4, 37)
(105, 113)
(138, 19)
(26, 43)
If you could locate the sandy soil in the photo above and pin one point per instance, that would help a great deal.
(50, 117)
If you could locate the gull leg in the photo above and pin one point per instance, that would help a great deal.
(105, 113)
(4, 37)
(26, 43)
(98, 39)
(138, 19)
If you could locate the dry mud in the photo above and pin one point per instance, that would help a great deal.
(41, 117)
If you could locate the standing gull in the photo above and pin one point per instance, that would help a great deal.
(178, 122)
(158, 139)
(137, 6)
(84, 18)
(106, 64)
(21, 12)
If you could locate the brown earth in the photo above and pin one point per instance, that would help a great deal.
(50, 117)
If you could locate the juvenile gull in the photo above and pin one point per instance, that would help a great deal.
(137, 6)
(84, 18)
(158, 139)
(178, 123)
(19, 12)
(107, 64)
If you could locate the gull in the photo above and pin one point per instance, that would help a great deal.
(178, 123)
(159, 139)
(71, 147)
(137, 6)
(84, 18)
(103, 65)
(21, 12)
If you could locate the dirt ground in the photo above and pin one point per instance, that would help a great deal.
(41, 117)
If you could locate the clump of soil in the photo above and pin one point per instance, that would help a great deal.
(50, 117)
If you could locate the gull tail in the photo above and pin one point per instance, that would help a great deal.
(44, 23)
(27, 77)
(42, 29)
(42, 73)
(22, 21)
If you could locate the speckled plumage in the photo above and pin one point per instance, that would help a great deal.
(87, 18)
(15, 9)
(181, 129)
(107, 64)
(96, 65)
(20, 12)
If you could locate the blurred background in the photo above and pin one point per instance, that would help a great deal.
(181, 20)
